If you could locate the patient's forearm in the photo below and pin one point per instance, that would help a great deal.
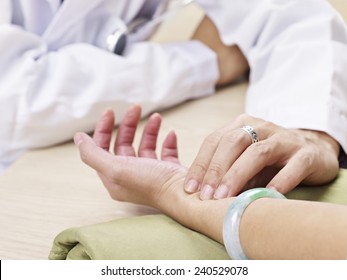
(271, 228)
(291, 229)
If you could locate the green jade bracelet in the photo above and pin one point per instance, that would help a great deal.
(232, 219)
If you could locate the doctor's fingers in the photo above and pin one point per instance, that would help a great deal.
(311, 165)
(284, 151)
(220, 150)
(251, 162)
(104, 129)
(201, 162)
(230, 147)
(292, 174)
(126, 132)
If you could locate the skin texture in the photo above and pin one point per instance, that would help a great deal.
(228, 162)
(286, 229)
(232, 63)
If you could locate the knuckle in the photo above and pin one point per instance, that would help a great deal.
(307, 158)
(215, 171)
(232, 138)
(232, 176)
(200, 167)
(261, 149)
(269, 124)
(243, 118)
(212, 138)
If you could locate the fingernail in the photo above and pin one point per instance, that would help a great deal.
(272, 188)
(206, 192)
(192, 186)
(221, 192)
(78, 139)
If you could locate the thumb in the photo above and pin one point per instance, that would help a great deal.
(90, 153)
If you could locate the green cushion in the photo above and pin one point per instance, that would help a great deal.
(142, 237)
(335, 192)
(159, 237)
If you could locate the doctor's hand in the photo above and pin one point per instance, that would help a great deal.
(141, 179)
(229, 162)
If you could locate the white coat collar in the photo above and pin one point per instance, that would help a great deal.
(70, 12)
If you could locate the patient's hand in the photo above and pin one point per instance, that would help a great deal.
(126, 134)
(143, 179)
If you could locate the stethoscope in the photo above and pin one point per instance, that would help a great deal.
(117, 41)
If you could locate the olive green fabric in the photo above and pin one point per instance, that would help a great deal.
(159, 237)
(335, 192)
(144, 237)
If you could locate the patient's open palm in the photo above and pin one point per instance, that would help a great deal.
(143, 179)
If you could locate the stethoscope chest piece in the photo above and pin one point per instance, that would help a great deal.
(117, 41)
(149, 17)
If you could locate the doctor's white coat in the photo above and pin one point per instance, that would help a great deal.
(56, 77)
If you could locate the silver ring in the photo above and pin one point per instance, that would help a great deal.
(251, 132)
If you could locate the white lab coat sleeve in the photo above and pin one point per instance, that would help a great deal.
(297, 53)
(45, 97)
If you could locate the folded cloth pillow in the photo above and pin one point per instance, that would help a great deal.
(159, 237)
(334, 192)
(135, 238)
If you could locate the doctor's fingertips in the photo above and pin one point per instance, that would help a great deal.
(221, 192)
(207, 192)
(191, 186)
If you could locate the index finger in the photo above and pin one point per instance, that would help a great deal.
(201, 162)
